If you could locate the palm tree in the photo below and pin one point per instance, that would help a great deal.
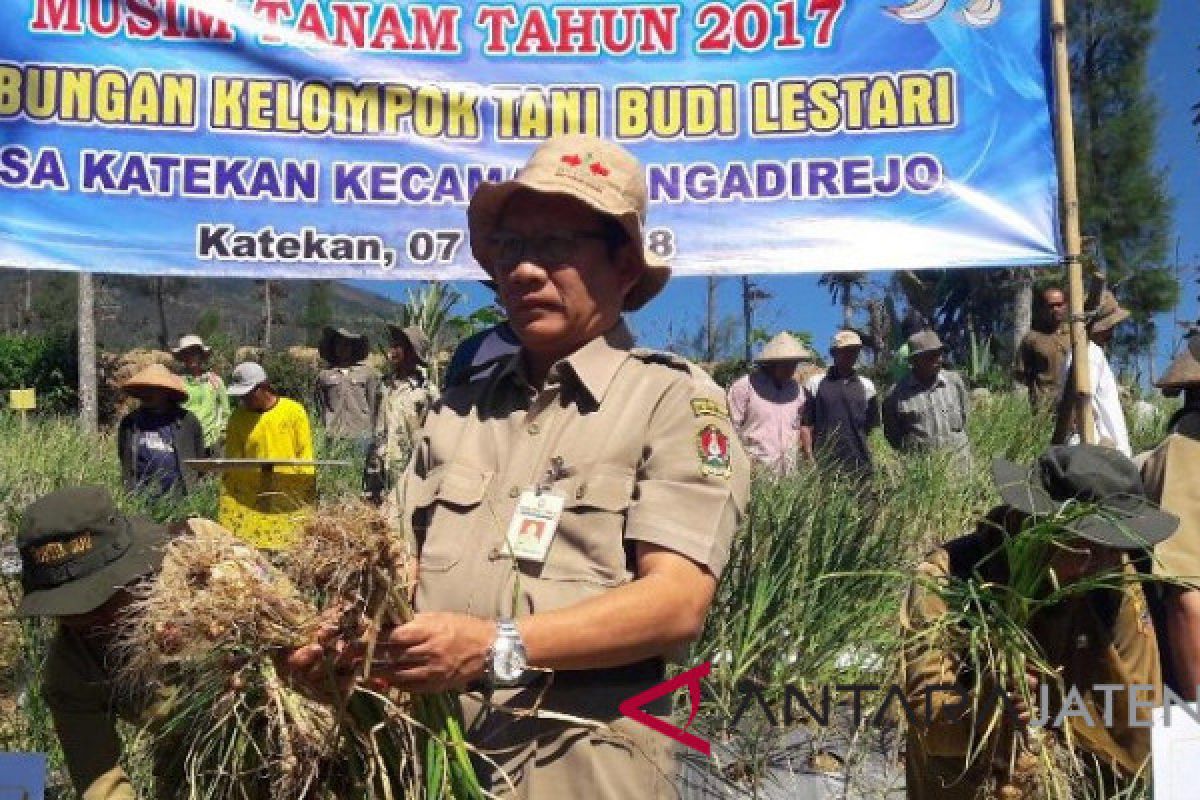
(429, 308)
(842, 286)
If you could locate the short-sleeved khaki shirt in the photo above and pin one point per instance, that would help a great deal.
(648, 455)
(1170, 474)
(1094, 642)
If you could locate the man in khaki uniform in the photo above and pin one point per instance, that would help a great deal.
(400, 412)
(1043, 351)
(1172, 475)
(626, 459)
(78, 555)
(1094, 640)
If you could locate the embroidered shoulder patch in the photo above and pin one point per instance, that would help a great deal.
(703, 407)
(712, 446)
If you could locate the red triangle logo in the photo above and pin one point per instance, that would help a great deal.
(632, 707)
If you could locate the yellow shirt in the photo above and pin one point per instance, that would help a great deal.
(263, 507)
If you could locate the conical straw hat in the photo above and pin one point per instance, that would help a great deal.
(784, 347)
(156, 376)
(1183, 372)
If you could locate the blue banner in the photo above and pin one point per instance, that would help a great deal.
(319, 138)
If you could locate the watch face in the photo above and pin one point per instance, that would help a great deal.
(510, 663)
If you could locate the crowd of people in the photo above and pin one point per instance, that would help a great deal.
(572, 500)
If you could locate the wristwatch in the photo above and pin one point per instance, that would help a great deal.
(506, 659)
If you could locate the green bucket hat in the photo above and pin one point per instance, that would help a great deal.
(77, 550)
(1126, 519)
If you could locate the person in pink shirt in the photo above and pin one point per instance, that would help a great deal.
(765, 406)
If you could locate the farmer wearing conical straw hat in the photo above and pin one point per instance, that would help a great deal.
(155, 440)
(79, 555)
(966, 622)
(626, 460)
(766, 405)
(1172, 475)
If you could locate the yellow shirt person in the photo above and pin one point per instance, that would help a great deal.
(264, 505)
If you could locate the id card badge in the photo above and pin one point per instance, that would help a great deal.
(533, 525)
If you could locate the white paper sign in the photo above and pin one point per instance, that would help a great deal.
(1176, 748)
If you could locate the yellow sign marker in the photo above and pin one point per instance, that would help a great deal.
(22, 399)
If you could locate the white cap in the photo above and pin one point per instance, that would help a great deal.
(190, 341)
(246, 376)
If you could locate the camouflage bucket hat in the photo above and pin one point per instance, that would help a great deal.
(77, 550)
(603, 175)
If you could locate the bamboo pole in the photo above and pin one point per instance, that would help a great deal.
(88, 408)
(1064, 127)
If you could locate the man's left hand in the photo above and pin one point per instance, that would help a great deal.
(434, 652)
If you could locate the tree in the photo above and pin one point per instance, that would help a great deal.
(1124, 207)
(752, 295)
(842, 287)
(270, 292)
(318, 310)
(55, 303)
(208, 324)
(429, 308)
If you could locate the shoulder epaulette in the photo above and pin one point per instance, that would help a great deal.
(671, 360)
(661, 357)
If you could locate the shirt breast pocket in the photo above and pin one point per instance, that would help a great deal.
(589, 546)
(443, 503)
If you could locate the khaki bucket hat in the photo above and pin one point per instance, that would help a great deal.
(845, 339)
(416, 339)
(784, 347)
(1107, 314)
(156, 376)
(604, 175)
(924, 342)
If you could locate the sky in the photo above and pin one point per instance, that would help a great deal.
(798, 303)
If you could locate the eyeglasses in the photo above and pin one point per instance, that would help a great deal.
(509, 249)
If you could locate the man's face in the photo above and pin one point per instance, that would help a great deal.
(101, 618)
(562, 288)
(256, 399)
(154, 399)
(1056, 306)
(343, 351)
(926, 366)
(844, 358)
(1080, 558)
(193, 360)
